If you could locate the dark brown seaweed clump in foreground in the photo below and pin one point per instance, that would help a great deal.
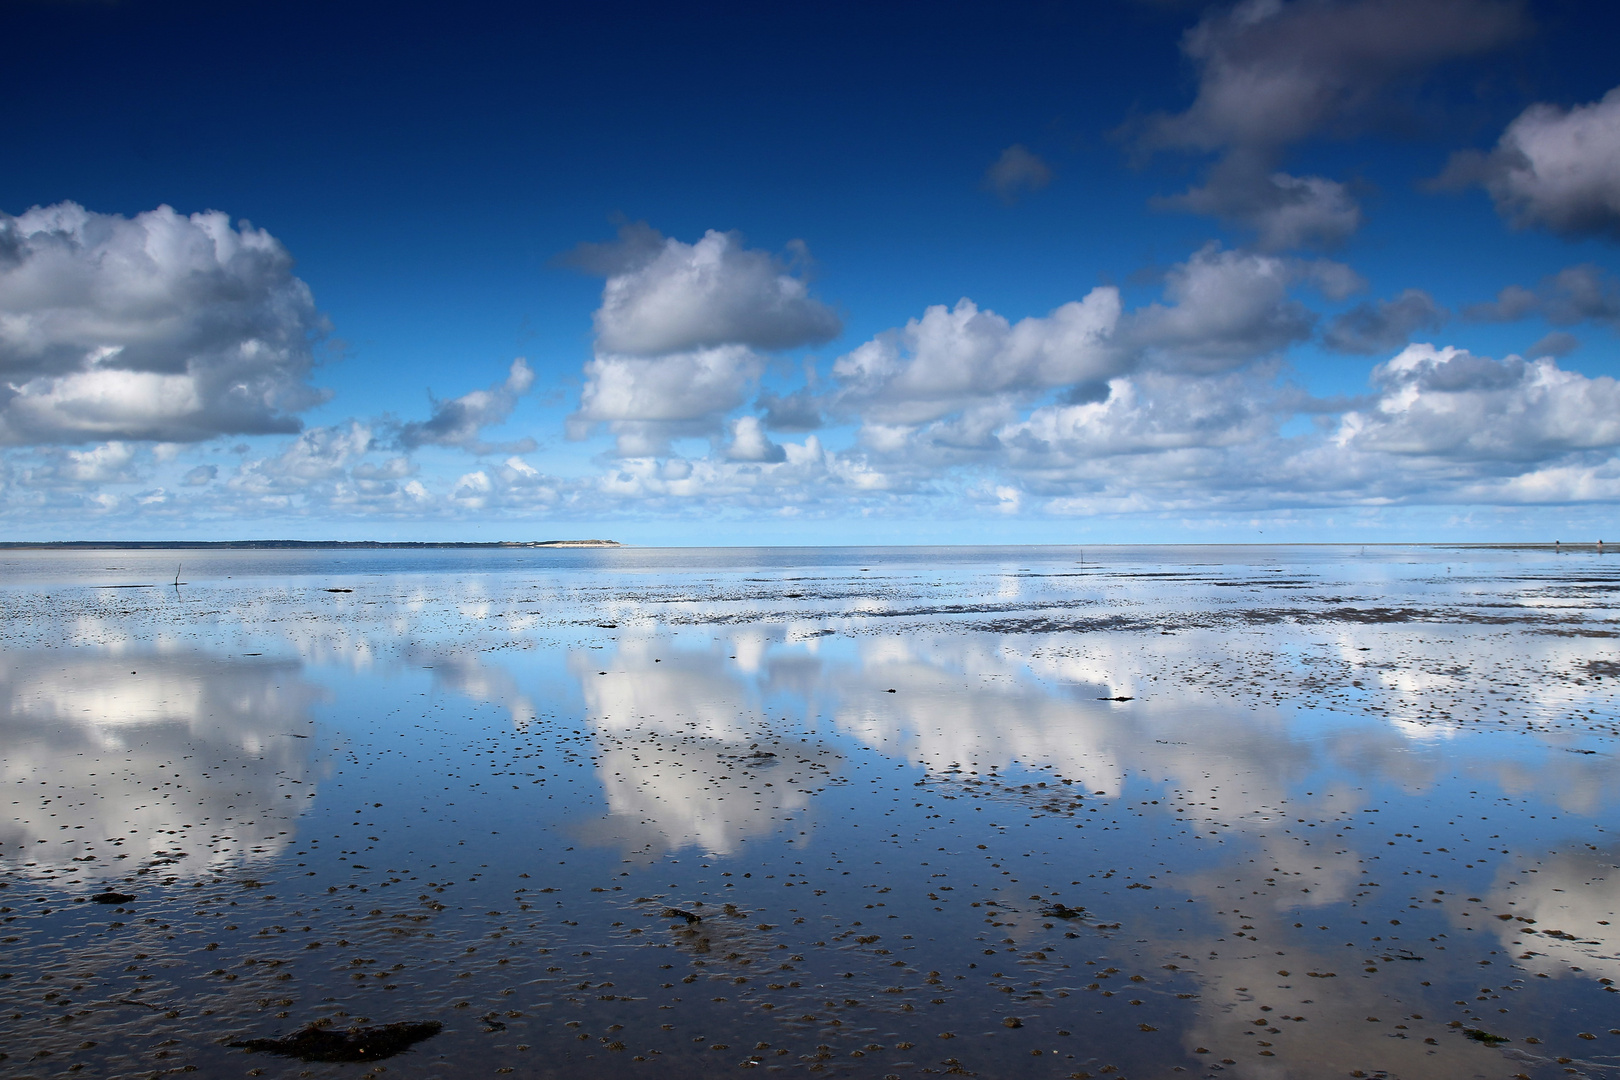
(315, 1043)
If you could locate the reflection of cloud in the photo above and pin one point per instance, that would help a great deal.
(959, 704)
(680, 740)
(466, 674)
(972, 703)
(1337, 1017)
(1564, 913)
(149, 755)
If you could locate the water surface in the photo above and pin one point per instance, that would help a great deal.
(1241, 812)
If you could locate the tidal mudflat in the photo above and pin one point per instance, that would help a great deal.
(1037, 812)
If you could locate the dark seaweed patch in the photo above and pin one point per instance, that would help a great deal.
(1481, 1035)
(313, 1043)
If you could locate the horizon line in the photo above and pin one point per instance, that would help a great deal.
(269, 544)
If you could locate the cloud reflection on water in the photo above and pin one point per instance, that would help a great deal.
(1275, 796)
(470, 675)
(1564, 916)
(688, 757)
(146, 753)
(1239, 771)
(1251, 784)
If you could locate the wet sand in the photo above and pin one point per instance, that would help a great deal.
(1248, 812)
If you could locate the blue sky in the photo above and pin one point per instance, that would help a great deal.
(1293, 269)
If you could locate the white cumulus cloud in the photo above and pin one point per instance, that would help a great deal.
(1152, 411)
(61, 469)
(680, 333)
(316, 463)
(1230, 307)
(956, 383)
(460, 421)
(648, 400)
(156, 327)
(750, 443)
(952, 358)
(1553, 168)
(1447, 402)
(328, 470)
(666, 296)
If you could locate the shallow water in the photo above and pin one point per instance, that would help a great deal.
(1245, 812)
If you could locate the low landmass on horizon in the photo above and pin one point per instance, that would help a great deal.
(162, 545)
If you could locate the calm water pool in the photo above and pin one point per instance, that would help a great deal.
(1127, 812)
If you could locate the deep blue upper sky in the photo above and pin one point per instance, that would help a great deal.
(429, 168)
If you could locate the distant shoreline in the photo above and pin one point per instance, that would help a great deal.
(193, 545)
(1571, 547)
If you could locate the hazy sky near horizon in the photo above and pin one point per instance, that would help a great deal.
(1127, 270)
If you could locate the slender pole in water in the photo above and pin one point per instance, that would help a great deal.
(177, 567)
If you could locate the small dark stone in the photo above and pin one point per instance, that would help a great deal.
(314, 1043)
(112, 898)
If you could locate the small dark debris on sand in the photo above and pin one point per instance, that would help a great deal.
(1063, 911)
(677, 913)
(110, 897)
(338, 590)
(314, 1043)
